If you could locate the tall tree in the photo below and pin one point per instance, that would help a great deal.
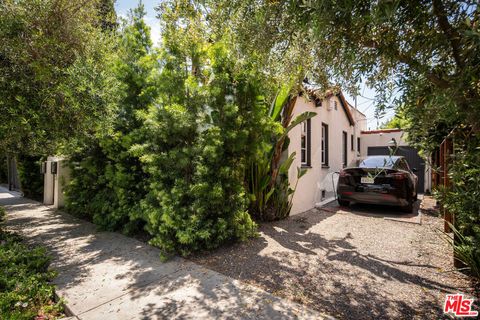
(107, 14)
(199, 135)
(108, 181)
(56, 80)
(425, 52)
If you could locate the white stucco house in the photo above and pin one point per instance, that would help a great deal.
(323, 145)
(331, 140)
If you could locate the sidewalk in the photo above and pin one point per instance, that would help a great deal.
(105, 275)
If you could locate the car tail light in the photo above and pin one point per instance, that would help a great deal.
(398, 175)
(343, 173)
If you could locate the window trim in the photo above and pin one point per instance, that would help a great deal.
(324, 145)
(344, 148)
(306, 131)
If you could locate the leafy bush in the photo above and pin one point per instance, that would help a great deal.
(462, 199)
(31, 180)
(84, 194)
(107, 180)
(25, 288)
(467, 251)
(196, 151)
(267, 178)
(59, 86)
(191, 119)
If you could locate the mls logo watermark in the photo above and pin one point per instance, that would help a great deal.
(459, 306)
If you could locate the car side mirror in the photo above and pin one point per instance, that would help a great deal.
(414, 170)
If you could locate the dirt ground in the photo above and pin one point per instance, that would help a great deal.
(351, 263)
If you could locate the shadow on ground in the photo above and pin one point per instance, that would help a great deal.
(104, 274)
(348, 263)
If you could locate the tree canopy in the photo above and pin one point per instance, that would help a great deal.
(55, 78)
(424, 52)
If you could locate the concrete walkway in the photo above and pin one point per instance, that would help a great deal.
(105, 275)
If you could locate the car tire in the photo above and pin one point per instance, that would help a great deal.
(343, 203)
(415, 197)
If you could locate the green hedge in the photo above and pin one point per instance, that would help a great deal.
(176, 157)
(31, 179)
(462, 199)
(25, 280)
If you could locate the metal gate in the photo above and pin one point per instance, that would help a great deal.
(412, 157)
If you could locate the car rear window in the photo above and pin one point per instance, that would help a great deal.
(376, 162)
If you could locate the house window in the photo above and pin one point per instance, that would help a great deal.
(352, 145)
(344, 149)
(358, 144)
(335, 104)
(324, 145)
(305, 144)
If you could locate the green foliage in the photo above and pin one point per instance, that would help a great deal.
(467, 251)
(399, 121)
(462, 199)
(271, 195)
(107, 180)
(56, 81)
(87, 188)
(25, 288)
(107, 14)
(423, 53)
(198, 138)
(190, 120)
(31, 180)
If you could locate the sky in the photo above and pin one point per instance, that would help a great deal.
(364, 100)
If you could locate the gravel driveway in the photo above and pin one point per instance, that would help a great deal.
(351, 263)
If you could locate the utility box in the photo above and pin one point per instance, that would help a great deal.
(57, 175)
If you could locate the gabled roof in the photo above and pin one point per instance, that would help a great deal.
(346, 108)
(380, 131)
(317, 93)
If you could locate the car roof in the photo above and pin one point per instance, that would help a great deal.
(394, 158)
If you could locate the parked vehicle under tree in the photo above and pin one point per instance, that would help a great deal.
(386, 180)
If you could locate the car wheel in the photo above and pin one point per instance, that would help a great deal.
(343, 203)
(415, 197)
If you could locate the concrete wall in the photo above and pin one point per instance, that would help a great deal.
(380, 138)
(316, 185)
(53, 188)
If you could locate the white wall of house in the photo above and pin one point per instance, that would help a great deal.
(316, 185)
(381, 138)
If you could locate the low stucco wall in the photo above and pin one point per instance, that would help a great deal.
(53, 188)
